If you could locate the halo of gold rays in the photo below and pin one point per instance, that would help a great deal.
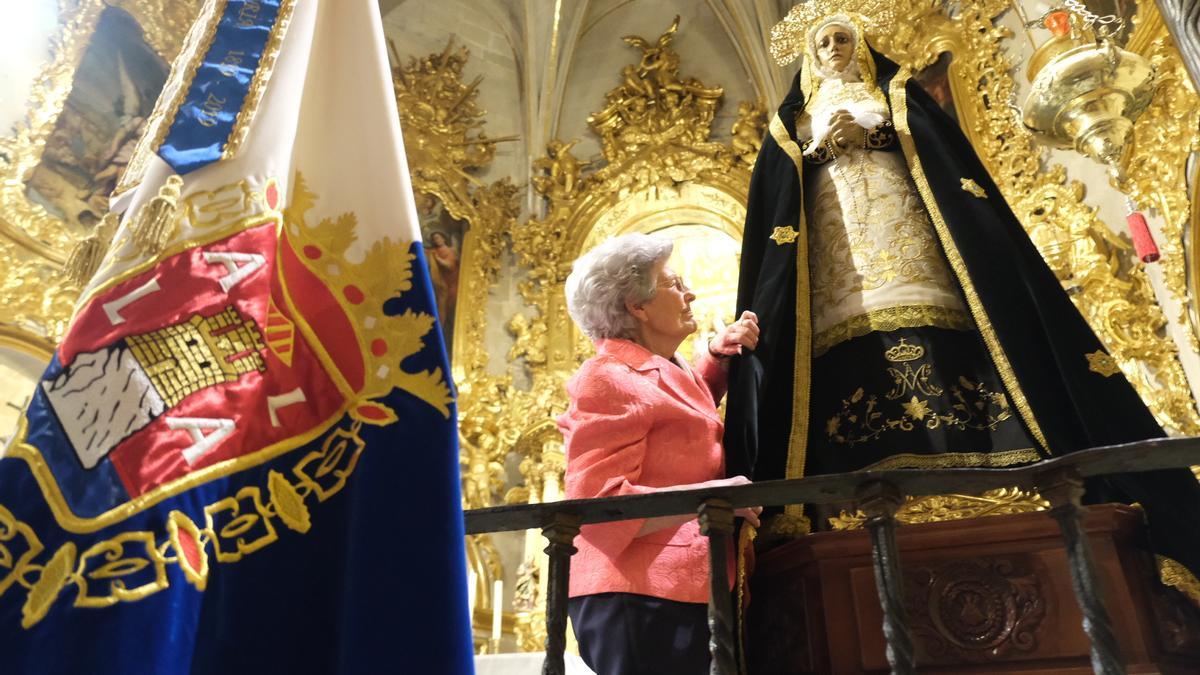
(787, 36)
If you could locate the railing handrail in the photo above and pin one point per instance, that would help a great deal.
(1148, 455)
(879, 494)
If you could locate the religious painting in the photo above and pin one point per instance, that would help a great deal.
(112, 95)
(935, 80)
(443, 236)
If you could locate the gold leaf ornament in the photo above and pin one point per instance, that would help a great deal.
(45, 590)
(288, 503)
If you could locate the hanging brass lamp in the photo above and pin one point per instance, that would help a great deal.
(1086, 93)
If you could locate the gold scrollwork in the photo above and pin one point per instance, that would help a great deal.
(941, 508)
(124, 568)
(1164, 137)
(442, 125)
(239, 525)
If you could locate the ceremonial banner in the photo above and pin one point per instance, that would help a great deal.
(243, 457)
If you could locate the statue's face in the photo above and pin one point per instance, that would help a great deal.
(835, 46)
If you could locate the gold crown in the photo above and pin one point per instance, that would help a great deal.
(787, 36)
(904, 352)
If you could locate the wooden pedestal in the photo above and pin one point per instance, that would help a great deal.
(987, 595)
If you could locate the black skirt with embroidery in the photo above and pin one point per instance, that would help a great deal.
(912, 398)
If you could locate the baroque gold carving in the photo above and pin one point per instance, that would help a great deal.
(655, 132)
(442, 125)
(446, 146)
(1166, 134)
(941, 508)
(164, 22)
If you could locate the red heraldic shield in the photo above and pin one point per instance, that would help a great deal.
(210, 352)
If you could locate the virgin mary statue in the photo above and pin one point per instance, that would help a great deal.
(907, 320)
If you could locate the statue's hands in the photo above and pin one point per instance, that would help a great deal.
(740, 334)
(844, 132)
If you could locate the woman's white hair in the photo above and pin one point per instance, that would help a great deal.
(603, 279)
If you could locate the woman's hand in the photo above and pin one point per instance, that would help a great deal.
(844, 132)
(741, 334)
(750, 513)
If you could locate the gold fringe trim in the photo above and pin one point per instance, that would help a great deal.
(1175, 575)
(888, 319)
(788, 524)
(802, 362)
(899, 98)
(87, 254)
(957, 460)
(745, 538)
(155, 224)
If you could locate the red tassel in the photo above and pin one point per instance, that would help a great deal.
(1143, 240)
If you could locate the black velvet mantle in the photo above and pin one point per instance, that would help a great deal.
(1037, 339)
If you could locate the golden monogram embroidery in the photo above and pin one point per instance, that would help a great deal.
(914, 400)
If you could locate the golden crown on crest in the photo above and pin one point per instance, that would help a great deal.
(787, 36)
(904, 352)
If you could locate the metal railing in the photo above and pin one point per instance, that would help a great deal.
(878, 494)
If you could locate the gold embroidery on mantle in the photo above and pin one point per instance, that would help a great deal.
(1099, 362)
(970, 405)
(1114, 295)
(889, 319)
(969, 185)
(784, 235)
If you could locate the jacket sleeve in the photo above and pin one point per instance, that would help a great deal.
(605, 431)
(715, 374)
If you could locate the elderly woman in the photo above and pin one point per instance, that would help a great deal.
(643, 420)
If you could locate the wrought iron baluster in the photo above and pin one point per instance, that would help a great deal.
(879, 500)
(716, 523)
(1064, 489)
(560, 533)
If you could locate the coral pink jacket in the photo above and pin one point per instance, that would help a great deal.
(637, 423)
